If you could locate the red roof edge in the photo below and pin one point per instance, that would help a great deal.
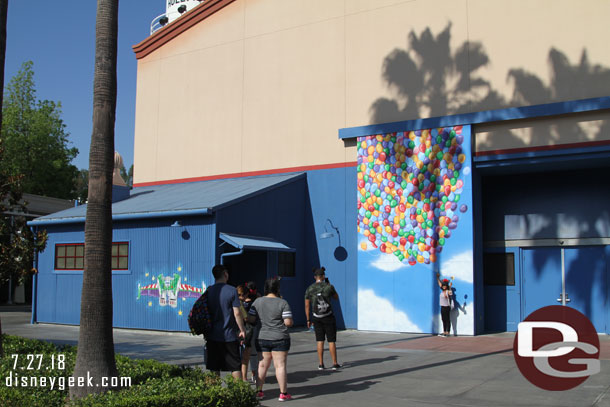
(178, 26)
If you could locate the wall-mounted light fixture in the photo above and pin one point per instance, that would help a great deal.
(340, 252)
(182, 9)
(163, 21)
(326, 234)
(176, 224)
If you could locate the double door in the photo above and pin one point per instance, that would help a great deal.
(572, 276)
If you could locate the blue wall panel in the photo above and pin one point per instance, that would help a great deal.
(529, 207)
(57, 295)
(332, 198)
(532, 206)
(183, 254)
(296, 214)
(276, 214)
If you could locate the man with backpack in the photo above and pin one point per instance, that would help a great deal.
(228, 328)
(318, 296)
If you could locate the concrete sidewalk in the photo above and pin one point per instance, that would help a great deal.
(379, 369)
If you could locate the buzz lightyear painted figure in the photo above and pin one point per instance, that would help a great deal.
(168, 290)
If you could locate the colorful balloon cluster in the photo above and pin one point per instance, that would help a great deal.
(409, 187)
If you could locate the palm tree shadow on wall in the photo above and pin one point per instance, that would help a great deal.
(429, 79)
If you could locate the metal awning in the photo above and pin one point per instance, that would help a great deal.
(254, 243)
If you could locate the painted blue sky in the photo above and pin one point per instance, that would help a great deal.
(59, 37)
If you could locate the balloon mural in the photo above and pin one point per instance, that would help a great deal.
(409, 186)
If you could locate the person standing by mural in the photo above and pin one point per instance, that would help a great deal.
(227, 325)
(273, 340)
(318, 296)
(445, 303)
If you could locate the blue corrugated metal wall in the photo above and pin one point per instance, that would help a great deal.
(155, 248)
(332, 195)
(296, 215)
(276, 214)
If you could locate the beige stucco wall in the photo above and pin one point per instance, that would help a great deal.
(266, 84)
(582, 128)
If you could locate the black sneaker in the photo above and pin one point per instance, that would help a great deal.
(320, 367)
(336, 366)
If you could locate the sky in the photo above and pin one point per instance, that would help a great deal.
(59, 37)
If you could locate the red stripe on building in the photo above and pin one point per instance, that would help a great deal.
(248, 174)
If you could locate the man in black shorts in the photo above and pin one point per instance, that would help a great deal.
(318, 297)
(228, 328)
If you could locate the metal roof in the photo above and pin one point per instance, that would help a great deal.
(184, 199)
(253, 242)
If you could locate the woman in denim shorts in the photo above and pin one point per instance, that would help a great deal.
(273, 340)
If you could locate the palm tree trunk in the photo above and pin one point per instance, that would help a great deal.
(95, 355)
(3, 15)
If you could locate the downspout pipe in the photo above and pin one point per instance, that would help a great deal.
(222, 256)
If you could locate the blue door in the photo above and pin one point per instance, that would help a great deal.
(586, 283)
(585, 280)
(541, 278)
(502, 280)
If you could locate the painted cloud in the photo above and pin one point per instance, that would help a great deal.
(388, 263)
(377, 314)
(459, 266)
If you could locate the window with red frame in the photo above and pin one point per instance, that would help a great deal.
(120, 256)
(71, 256)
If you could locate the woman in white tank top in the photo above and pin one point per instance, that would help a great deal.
(445, 303)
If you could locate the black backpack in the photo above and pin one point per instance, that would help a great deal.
(200, 320)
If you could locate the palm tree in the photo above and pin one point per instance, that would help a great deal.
(95, 356)
(3, 14)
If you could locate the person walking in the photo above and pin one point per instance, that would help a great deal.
(228, 328)
(445, 303)
(318, 297)
(273, 339)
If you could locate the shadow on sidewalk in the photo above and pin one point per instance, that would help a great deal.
(364, 382)
(359, 345)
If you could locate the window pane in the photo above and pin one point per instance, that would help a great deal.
(69, 262)
(80, 250)
(80, 263)
(114, 263)
(499, 269)
(123, 249)
(123, 263)
(61, 263)
(286, 267)
(61, 251)
(115, 249)
(70, 250)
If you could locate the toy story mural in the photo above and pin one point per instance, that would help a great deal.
(414, 197)
(171, 291)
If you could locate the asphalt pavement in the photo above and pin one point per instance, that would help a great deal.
(379, 369)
